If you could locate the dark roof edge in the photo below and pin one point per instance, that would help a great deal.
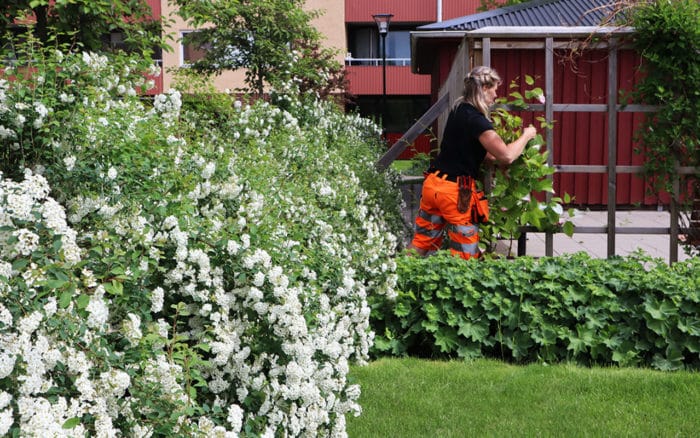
(524, 32)
(513, 32)
(486, 14)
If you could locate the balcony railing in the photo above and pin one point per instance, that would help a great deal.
(377, 62)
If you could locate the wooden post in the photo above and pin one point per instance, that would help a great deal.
(673, 240)
(549, 136)
(612, 144)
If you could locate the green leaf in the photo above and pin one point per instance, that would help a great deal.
(447, 339)
(57, 244)
(672, 362)
(65, 299)
(519, 344)
(516, 95)
(71, 423)
(19, 264)
(660, 311)
(568, 228)
(474, 331)
(36, 3)
(55, 283)
(114, 288)
(432, 312)
(82, 301)
(402, 309)
(470, 350)
(444, 293)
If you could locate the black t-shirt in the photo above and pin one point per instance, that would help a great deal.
(460, 151)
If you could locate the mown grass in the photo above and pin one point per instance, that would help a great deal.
(486, 398)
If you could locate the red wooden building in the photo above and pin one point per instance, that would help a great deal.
(408, 95)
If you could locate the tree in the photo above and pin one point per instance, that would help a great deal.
(272, 39)
(86, 22)
(487, 5)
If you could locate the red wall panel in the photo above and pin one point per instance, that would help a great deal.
(420, 145)
(360, 11)
(581, 138)
(405, 11)
(459, 8)
(155, 6)
(367, 80)
(158, 85)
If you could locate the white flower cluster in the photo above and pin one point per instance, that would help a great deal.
(168, 105)
(22, 203)
(34, 351)
(15, 116)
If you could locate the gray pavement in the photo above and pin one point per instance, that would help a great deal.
(596, 245)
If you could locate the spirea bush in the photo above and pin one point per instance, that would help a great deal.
(171, 270)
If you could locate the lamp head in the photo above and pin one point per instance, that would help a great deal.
(382, 21)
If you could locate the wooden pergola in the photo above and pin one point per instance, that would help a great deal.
(477, 48)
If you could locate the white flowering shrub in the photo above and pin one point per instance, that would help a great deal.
(43, 88)
(171, 270)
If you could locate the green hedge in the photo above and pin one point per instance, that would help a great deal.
(632, 311)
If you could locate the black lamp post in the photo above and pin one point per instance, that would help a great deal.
(382, 21)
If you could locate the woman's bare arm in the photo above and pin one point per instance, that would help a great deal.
(502, 152)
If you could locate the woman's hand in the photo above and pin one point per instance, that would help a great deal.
(530, 132)
(506, 153)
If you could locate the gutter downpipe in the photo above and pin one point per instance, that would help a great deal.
(439, 11)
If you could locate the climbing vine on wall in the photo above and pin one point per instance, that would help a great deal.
(668, 39)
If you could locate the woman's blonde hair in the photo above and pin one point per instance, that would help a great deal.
(474, 84)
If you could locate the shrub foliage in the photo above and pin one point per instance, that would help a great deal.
(186, 266)
(633, 311)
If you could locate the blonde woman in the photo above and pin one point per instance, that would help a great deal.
(449, 199)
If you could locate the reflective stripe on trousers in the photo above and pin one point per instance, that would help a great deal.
(464, 239)
(438, 212)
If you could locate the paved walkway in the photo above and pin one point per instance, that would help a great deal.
(656, 245)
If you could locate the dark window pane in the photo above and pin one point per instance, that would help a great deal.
(401, 111)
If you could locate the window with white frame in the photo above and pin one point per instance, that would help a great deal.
(191, 52)
(365, 46)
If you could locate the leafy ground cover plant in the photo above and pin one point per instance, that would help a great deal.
(184, 266)
(632, 311)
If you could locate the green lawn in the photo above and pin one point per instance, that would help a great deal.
(421, 398)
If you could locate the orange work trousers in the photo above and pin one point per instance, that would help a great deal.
(438, 210)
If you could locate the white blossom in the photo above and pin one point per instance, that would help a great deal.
(132, 328)
(98, 312)
(157, 296)
(235, 417)
(7, 363)
(6, 420)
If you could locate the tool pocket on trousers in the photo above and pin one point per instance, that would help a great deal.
(480, 208)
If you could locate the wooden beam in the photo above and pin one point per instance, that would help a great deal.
(539, 45)
(619, 230)
(594, 168)
(584, 108)
(413, 132)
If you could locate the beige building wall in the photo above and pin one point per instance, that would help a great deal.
(173, 59)
(331, 24)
